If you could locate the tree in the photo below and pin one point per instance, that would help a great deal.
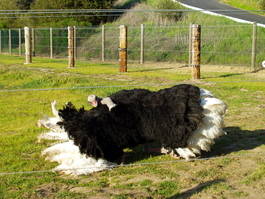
(18, 20)
(77, 18)
(23, 4)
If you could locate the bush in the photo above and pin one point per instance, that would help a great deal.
(262, 4)
(169, 5)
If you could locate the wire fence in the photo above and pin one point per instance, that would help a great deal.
(33, 172)
(161, 44)
(136, 164)
(233, 45)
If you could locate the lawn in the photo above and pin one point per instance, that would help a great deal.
(234, 168)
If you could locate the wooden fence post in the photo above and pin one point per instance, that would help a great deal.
(123, 49)
(254, 46)
(71, 53)
(196, 51)
(142, 44)
(28, 45)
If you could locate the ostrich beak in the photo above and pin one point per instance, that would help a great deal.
(94, 103)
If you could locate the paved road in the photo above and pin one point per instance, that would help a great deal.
(223, 9)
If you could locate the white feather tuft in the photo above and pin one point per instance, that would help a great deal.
(206, 93)
(72, 162)
(53, 136)
(185, 153)
(211, 128)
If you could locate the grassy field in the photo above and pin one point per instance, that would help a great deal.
(246, 4)
(235, 168)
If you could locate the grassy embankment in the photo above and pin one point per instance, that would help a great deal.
(224, 41)
(246, 4)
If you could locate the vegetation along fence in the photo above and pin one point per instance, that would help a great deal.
(233, 45)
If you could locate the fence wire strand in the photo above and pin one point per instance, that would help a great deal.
(117, 86)
(138, 164)
(162, 43)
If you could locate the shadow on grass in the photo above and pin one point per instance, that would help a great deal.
(197, 189)
(257, 70)
(153, 69)
(231, 74)
(235, 140)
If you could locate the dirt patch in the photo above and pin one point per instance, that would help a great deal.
(47, 191)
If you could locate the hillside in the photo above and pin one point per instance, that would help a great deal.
(247, 5)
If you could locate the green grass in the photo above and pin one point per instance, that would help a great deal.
(246, 4)
(21, 107)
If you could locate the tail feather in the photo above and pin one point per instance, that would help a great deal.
(62, 136)
(211, 128)
(185, 153)
(71, 161)
(206, 93)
